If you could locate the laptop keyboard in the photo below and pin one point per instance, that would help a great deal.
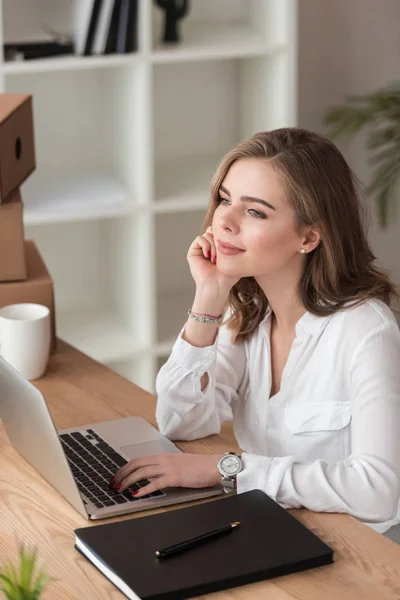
(93, 463)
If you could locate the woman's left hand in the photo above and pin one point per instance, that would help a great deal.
(168, 470)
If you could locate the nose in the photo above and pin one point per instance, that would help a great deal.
(228, 221)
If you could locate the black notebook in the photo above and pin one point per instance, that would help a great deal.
(269, 542)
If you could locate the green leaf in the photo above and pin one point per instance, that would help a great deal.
(26, 568)
(346, 121)
(383, 137)
(383, 201)
(8, 587)
(379, 112)
(22, 585)
(384, 188)
(6, 579)
(388, 157)
(41, 581)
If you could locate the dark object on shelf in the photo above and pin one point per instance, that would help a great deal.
(29, 51)
(111, 40)
(122, 32)
(128, 27)
(105, 27)
(174, 11)
(92, 26)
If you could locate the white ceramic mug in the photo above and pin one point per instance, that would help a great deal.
(25, 335)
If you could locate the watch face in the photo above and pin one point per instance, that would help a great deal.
(230, 464)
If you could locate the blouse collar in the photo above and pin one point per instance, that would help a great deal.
(308, 323)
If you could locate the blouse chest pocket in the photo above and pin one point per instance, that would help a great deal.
(317, 417)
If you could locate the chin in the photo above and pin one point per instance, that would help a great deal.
(230, 271)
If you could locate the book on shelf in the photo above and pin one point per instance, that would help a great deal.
(85, 18)
(127, 27)
(112, 33)
(105, 26)
(33, 50)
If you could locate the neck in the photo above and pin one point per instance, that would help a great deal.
(284, 300)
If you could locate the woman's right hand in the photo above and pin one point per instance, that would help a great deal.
(202, 259)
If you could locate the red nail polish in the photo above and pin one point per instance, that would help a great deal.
(135, 492)
(117, 488)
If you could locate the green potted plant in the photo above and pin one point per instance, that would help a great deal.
(22, 584)
(379, 114)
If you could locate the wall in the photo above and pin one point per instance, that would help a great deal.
(350, 47)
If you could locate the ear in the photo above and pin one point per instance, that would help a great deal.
(312, 238)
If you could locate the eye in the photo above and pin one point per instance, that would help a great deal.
(222, 200)
(252, 212)
(256, 214)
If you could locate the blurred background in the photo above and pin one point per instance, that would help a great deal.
(131, 120)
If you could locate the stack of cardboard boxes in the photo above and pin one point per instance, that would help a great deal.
(23, 273)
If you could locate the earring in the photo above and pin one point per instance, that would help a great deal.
(302, 251)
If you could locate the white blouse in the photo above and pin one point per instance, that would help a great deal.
(329, 440)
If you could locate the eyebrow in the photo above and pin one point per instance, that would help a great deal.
(249, 198)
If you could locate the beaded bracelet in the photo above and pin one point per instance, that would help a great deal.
(205, 318)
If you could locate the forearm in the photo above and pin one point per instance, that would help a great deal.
(362, 486)
(200, 334)
(205, 302)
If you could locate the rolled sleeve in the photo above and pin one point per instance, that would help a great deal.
(185, 411)
(191, 358)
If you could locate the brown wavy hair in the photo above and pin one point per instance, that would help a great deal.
(322, 191)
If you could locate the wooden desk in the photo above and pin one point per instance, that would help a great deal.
(81, 391)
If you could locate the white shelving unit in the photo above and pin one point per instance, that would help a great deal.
(126, 147)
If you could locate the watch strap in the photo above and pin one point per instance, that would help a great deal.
(228, 484)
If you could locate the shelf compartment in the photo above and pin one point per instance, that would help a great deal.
(175, 287)
(223, 29)
(193, 131)
(96, 266)
(100, 333)
(171, 317)
(141, 370)
(83, 134)
(183, 184)
(73, 197)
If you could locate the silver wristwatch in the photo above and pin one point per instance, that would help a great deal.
(229, 466)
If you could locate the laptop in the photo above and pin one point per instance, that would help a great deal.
(79, 462)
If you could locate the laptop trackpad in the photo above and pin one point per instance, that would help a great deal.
(149, 448)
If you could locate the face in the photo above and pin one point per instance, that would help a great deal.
(255, 217)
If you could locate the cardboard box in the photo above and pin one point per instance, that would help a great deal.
(38, 287)
(12, 245)
(17, 151)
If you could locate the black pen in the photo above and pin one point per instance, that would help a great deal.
(182, 546)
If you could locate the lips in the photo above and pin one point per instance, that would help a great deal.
(228, 249)
(227, 245)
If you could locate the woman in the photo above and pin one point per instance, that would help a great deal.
(307, 362)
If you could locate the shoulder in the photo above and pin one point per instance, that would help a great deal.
(358, 326)
(371, 315)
